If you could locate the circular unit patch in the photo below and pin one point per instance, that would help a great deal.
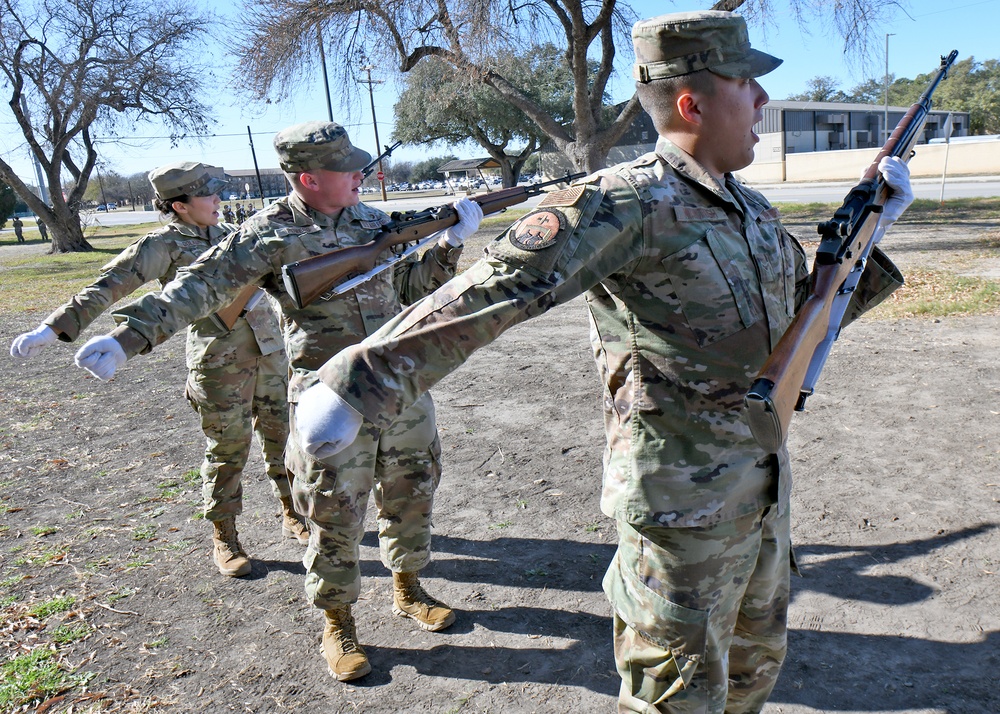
(538, 230)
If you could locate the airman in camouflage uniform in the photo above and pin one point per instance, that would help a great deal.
(402, 461)
(237, 379)
(690, 280)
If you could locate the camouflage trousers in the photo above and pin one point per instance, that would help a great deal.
(700, 614)
(235, 402)
(403, 466)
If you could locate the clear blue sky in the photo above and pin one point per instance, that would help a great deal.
(920, 35)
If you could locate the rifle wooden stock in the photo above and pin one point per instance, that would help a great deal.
(776, 392)
(225, 318)
(308, 280)
(778, 389)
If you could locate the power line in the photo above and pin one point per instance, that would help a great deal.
(202, 136)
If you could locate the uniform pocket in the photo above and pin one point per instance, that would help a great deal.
(680, 630)
(715, 296)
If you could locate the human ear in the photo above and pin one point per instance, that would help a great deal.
(307, 180)
(688, 107)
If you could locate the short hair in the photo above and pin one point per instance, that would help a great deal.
(659, 96)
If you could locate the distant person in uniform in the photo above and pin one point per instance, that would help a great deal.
(237, 377)
(42, 230)
(18, 229)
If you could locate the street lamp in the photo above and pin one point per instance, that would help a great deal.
(886, 120)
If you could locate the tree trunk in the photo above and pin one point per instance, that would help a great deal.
(66, 233)
(589, 157)
(507, 174)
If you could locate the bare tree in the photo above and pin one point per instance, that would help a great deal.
(279, 47)
(77, 67)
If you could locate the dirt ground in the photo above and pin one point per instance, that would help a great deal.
(895, 523)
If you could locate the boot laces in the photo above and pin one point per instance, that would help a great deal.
(228, 537)
(415, 593)
(344, 627)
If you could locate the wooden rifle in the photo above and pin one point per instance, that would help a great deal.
(246, 301)
(323, 276)
(790, 373)
(225, 318)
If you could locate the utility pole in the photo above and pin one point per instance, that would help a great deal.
(371, 97)
(256, 168)
(326, 79)
(886, 120)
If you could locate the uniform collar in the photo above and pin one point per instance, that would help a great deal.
(687, 166)
(215, 233)
(305, 215)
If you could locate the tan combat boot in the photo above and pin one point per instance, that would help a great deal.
(410, 600)
(228, 553)
(344, 656)
(292, 525)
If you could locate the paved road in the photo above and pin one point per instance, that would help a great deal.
(966, 187)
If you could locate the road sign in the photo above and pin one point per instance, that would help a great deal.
(380, 176)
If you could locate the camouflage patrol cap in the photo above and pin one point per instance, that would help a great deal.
(318, 145)
(187, 178)
(685, 42)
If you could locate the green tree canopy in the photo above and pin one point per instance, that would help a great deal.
(442, 104)
(971, 86)
(821, 89)
(427, 170)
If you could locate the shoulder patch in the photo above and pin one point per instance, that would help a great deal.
(699, 213)
(563, 198)
(371, 225)
(538, 230)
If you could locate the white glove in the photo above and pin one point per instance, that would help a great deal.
(31, 343)
(101, 356)
(897, 175)
(470, 214)
(324, 423)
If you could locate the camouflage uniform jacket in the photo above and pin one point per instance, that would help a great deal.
(689, 283)
(158, 256)
(285, 232)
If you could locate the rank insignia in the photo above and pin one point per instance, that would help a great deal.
(538, 230)
(565, 197)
